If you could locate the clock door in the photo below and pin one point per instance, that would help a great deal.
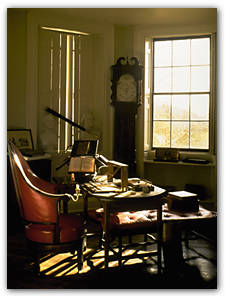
(124, 136)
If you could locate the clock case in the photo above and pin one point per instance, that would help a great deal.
(125, 113)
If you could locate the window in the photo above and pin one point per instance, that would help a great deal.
(72, 98)
(181, 93)
(59, 85)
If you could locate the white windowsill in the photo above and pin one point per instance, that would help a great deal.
(179, 163)
(149, 158)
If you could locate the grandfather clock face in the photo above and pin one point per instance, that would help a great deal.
(126, 81)
(126, 89)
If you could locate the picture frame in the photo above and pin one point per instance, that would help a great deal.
(22, 138)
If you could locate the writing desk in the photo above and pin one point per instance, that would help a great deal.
(113, 202)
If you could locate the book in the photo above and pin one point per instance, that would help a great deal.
(82, 164)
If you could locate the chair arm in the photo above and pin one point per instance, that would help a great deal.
(73, 197)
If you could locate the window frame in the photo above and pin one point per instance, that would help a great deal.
(212, 91)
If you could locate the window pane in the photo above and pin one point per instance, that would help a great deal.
(161, 134)
(200, 78)
(180, 135)
(199, 135)
(162, 56)
(161, 107)
(180, 107)
(181, 79)
(162, 80)
(181, 52)
(200, 51)
(199, 107)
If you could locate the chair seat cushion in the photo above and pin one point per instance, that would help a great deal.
(120, 221)
(70, 229)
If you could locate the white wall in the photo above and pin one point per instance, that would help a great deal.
(23, 58)
(16, 68)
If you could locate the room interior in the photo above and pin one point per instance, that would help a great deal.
(106, 35)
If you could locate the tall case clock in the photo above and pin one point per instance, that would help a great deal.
(127, 89)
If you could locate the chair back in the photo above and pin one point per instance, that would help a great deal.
(34, 206)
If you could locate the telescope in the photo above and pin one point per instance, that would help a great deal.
(53, 112)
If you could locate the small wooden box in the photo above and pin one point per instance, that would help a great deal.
(166, 154)
(183, 201)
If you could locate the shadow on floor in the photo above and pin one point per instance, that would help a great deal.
(199, 272)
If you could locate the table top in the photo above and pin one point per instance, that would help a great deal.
(172, 216)
(129, 199)
(130, 194)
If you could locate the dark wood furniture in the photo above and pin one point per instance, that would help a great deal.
(127, 93)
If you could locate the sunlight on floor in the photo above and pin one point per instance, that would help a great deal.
(66, 264)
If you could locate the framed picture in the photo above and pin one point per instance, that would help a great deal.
(22, 138)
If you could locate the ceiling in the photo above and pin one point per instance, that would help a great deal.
(141, 16)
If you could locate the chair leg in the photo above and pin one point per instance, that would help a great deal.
(100, 242)
(186, 239)
(80, 257)
(159, 258)
(120, 251)
(36, 257)
(159, 239)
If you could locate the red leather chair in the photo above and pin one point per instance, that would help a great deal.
(46, 229)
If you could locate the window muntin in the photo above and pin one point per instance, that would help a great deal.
(181, 93)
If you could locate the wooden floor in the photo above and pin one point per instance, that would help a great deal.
(60, 272)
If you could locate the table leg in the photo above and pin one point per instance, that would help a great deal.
(85, 204)
(106, 233)
(159, 245)
(172, 247)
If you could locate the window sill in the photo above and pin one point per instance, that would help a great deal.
(179, 163)
(149, 157)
